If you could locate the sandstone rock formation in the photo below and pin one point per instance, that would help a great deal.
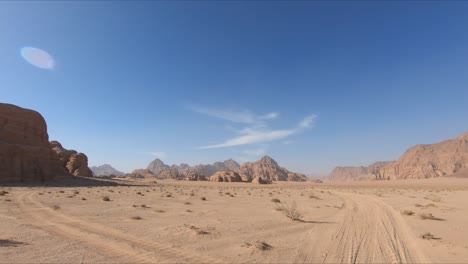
(259, 180)
(195, 177)
(75, 163)
(268, 170)
(25, 151)
(430, 161)
(105, 170)
(225, 176)
(421, 161)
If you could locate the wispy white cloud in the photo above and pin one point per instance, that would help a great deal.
(308, 121)
(261, 134)
(158, 154)
(269, 116)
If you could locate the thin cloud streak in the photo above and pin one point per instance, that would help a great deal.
(253, 136)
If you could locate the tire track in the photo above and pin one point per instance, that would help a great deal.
(112, 242)
(371, 231)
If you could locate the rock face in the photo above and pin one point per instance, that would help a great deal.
(268, 170)
(195, 177)
(419, 162)
(361, 173)
(105, 170)
(75, 163)
(225, 176)
(25, 151)
(429, 161)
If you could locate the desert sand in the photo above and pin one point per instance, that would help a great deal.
(181, 221)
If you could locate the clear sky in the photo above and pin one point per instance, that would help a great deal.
(312, 84)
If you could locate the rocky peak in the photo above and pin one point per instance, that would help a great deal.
(157, 165)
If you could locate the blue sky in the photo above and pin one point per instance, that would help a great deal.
(312, 84)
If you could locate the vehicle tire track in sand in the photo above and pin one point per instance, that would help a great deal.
(113, 242)
(371, 231)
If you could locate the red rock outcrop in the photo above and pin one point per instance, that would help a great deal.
(25, 153)
(75, 163)
(225, 176)
(268, 170)
(421, 161)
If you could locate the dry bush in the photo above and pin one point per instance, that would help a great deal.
(275, 200)
(82, 198)
(407, 212)
(106, 199)
(314, 197)
(188, 211)
(187, 203)
(199, 231)
(136, 218)
(55, 207)
(2, 193)
(429, 236)
(429, 216)
(160, 211)
(203, 198)
(259, 245)
(291, 211)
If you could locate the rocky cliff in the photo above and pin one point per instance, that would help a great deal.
(421, 161)
(25, 151)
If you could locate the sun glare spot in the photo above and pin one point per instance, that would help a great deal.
(38, 57)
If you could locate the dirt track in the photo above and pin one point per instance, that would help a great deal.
(363, 230)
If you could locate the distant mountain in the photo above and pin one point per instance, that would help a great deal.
(269, 170)
(161, 170)
(208, 170)
(105, 170)
(446, 158)
(156, 166)
(357, 173)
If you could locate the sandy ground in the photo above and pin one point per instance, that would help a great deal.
(203, 222)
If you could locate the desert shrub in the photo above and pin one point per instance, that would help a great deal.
(82, 198)
(136, 218)
(407, 212)
(203, 198)
(291, 211)
(429, 216)
(429, 236)
(106, 198)
(55, 207)
(275, 200)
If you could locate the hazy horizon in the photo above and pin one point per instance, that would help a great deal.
(312, 84)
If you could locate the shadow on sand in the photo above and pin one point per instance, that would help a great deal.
(72, 182)
(10, 243)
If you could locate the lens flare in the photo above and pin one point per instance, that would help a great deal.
(38, 58)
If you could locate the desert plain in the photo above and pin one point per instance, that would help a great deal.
(170, 221)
